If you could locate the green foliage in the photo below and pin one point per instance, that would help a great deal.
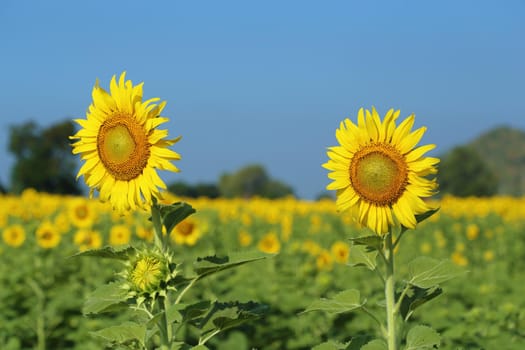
(345, 301)
(376, 344)
(425, 272)
(503, 151)
(422, 338)
(43, 158)
(252, 180)
(463, 172)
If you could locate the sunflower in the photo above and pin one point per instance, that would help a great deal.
(377, 172)
(341, 252)
(187, 232)
(14, 235)
(122, 146)
(269, 243)
(81, 213)
(119, 235)
(47, 236)
(87, 239)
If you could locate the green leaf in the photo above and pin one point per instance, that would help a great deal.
(416, 297)
(357, 343)
(330, 345)
(426, 272)
(422, 338)
(373, 242)
(422, 217)
(195, 312)
(200, 347)
(108, 253)
(223, 316)
(123, 333)
(345, 301)
(212, 264)
(360, 256)
(376, 344)
(108, 297)
(173, 214)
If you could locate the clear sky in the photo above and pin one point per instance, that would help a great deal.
(268, 81)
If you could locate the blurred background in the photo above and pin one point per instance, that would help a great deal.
(257, 89)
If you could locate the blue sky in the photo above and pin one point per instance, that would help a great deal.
(268, 81)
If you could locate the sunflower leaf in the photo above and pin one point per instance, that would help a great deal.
(212, 264)
(425, 272)
(227, 315)
(108, 297)
(361, 256)
(330, 345)
(415, 297)
(108, 253)
(128, 331)
(345, 301)
(373, 242)
(422, 338)
(376, 344)
(173, 214)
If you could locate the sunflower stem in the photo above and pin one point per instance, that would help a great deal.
(390, 295)
(157, 226)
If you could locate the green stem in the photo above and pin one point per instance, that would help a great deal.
(169, 328)
(401, 297)
(390, 295)
(164, 327)
(203, 341)
(157, 226)
(185, 290)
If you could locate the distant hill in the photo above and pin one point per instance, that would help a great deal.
(503, 149)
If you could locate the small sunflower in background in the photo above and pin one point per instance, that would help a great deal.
(81, 213)
(119, 235)
(378, 173)
(47, 236)
(187, 232)
(340, 251)
(122, 147)
(87, 239)
(14, 235)
(269, 243)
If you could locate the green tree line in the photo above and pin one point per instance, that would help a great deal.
(43, 161)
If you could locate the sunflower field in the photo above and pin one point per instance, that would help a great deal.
(44, 286)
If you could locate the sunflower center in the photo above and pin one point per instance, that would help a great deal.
(379, 174)
(185, 228)
(123, 147)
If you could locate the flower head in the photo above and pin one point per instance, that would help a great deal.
(122, 147)
(14, 235)
(187, 232)
(87, 239)
(47, 236)
(269, 243)
(378, 173)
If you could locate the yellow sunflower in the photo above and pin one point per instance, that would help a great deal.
(122, 146)
(47, 236)
(14, 235)
(377, 172)
(187, 232)
(87, 239)
(119, 235)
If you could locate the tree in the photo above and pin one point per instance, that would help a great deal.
(43, 158)
(252, 180)
(463, 173)
(183, 189)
